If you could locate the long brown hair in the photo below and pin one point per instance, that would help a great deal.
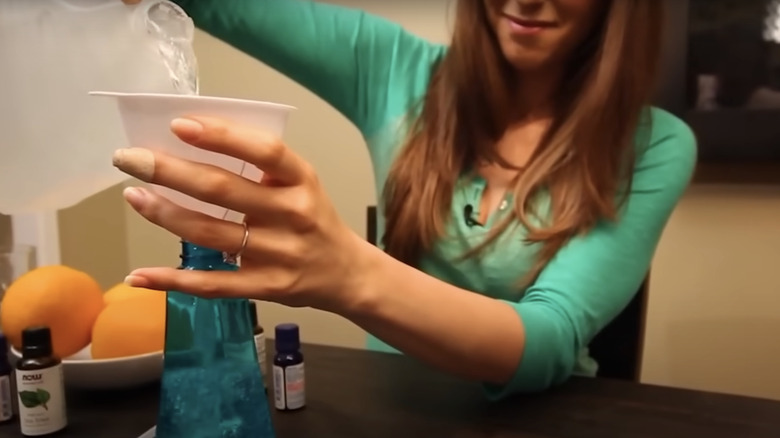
(466, 111)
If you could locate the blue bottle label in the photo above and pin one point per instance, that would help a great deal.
(289, 387)
(6, 403)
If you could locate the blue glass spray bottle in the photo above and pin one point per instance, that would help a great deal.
(212, 385)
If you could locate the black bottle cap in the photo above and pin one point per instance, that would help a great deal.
(253, 313)
(287, 338)
(4, 362)
(36, 342)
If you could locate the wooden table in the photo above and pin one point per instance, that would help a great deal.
(360, 394)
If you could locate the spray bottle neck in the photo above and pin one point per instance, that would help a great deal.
(202, 258)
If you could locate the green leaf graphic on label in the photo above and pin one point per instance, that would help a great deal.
(32, 399)
(29, 399)
(43, 397)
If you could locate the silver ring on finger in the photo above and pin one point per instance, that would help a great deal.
(234, 257)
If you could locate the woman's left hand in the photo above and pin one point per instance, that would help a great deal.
(298, 251)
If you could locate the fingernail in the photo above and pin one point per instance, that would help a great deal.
(187, 128)
(135, 281)
(135, 196)
(135, 162)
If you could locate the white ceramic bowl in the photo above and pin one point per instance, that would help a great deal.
(83, 372)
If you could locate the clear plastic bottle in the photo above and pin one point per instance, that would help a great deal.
(54, 53)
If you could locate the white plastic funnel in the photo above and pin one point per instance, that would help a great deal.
(147, 118)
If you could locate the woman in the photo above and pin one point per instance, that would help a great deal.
(524, 180)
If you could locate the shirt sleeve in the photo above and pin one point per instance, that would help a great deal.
(594, 277)
(349, 58)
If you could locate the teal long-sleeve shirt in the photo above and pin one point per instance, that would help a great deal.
(373, 72)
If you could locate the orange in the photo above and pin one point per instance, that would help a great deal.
(122, 291)
(130, 327)
(65, 299)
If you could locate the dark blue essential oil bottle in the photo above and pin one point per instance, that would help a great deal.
(6, 396)
(289, 376)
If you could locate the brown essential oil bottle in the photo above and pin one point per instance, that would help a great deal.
(40, 385)
(259, 336)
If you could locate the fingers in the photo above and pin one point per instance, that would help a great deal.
(207, 284)
(205, 182)
(192, 226)
(207, 231)
(253, 284)
(266, 151)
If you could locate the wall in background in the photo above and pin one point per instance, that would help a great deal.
(714, 288)
(715, 293)
(94, 238)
